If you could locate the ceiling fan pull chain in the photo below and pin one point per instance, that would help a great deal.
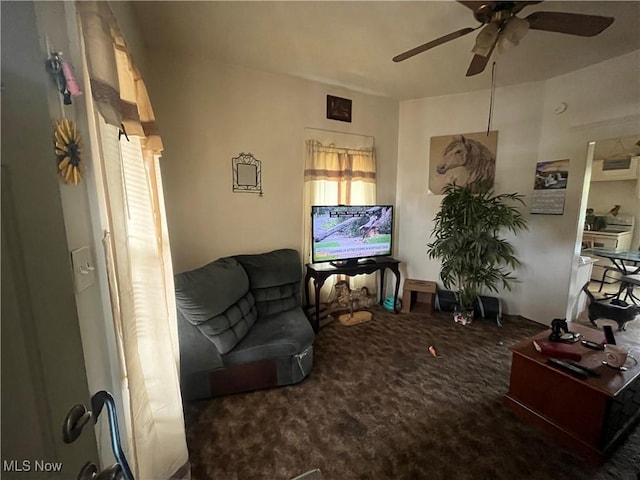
(493, 90)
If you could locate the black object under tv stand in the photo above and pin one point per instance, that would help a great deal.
(319, 272)
(352, 262)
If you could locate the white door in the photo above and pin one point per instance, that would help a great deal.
(43, 370)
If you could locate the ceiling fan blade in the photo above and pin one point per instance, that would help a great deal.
(433, 43)
(569, 23)
(479, 63)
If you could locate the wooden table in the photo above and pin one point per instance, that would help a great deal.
(588, 415)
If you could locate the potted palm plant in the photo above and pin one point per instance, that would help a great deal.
(467, 240)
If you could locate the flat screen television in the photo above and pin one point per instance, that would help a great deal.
(346, 234)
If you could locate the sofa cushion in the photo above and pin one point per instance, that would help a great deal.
(274, 278)
(228, 328)
(281, 335)
(216, 298)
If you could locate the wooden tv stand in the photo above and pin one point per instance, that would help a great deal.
(319, 272)
(589, 415)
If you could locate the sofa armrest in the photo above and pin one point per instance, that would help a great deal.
(198, 357)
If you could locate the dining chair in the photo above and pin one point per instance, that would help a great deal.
(627, 284)
(608, 269)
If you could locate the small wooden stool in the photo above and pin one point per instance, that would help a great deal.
(418, 296)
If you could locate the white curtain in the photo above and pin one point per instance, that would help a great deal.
(337, 175)
(138, 254)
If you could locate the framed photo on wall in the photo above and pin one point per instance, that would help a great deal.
(338, 108)
(462, 158)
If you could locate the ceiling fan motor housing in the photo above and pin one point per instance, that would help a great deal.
(494, 11)
(484, 13)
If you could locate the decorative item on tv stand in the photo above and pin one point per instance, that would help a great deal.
(344, 298)
(473, 255)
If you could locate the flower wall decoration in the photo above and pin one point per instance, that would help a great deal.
(67, 145)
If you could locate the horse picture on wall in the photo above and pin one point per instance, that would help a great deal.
(463, 159)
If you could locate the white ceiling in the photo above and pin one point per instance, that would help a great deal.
(351, 44)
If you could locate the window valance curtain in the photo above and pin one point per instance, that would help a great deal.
(117, 88)
(339, 164)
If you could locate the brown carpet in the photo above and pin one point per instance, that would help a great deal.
(377, 405)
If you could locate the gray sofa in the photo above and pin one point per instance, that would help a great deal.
(241, 326)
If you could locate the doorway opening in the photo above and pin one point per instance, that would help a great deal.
(609, 217)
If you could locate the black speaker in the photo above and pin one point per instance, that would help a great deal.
(446, 301)
(489, 307)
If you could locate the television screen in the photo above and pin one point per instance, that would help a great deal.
(351, 232)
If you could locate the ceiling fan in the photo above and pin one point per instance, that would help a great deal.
(503, 28)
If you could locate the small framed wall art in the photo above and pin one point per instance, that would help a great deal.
(247, 174)
(338, 108)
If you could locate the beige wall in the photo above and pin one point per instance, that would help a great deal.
(529, 131)
(208, 113)
(516, 116)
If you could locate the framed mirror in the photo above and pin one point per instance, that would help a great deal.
(247, 173)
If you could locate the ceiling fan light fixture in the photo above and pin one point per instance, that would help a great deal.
(513, 31)
(485, 40)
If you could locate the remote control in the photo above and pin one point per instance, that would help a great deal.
(590, 371)
(567, 366)
(608, 334)
(592, 345)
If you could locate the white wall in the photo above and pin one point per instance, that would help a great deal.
(529, 131)
(208, 113)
